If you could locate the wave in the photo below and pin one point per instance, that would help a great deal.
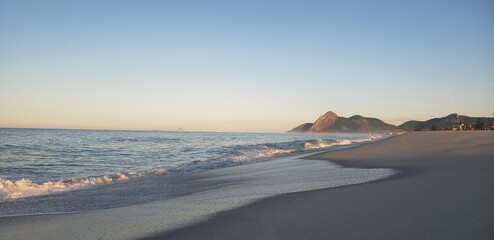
(11, 189)
(319, 143)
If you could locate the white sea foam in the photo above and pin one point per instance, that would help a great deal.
(14, 189)
(319, 143)
(212, 192)
(10, 189)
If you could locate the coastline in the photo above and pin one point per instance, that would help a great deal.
(181, 200)
(443, 191)
(79, 160)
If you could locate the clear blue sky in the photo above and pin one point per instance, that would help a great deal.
(241, 65)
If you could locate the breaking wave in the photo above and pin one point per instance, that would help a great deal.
(15, 189)
(319, 143)
(10, 189)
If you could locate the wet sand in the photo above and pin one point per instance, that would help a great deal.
(167, 203)
(445, 190)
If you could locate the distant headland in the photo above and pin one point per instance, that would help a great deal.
(331, 122)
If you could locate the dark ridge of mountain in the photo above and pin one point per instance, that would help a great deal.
(302, 127)
(330, 122)
(409, 125)
(372, 124)
(447, 123)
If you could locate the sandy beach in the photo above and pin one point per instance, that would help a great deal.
(444, 191)
(421, 185)
(155, 204)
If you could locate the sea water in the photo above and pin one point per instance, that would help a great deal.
(55, 171)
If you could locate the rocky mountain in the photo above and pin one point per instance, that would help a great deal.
(330, 122)
(448, 122)
(324, 123)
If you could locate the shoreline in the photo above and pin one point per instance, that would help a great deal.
(443, 191)
(147, 180)
(201, 195)
(25, 184)
(417, 202)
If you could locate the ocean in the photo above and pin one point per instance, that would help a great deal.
(45, 171)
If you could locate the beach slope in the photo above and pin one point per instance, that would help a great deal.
(445, 191)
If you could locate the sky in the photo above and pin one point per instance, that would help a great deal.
(244, 66)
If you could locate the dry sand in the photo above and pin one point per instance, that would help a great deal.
(445, 191)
